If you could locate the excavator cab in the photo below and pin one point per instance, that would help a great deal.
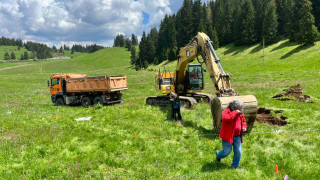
(194, 76)
(165, 82)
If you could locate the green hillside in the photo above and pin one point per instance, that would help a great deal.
(135, 141)
(13, 49)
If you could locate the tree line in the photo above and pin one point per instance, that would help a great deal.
(42, 51)
(85, 49)
(242, 22)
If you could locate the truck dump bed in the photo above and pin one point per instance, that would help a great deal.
(97, 84)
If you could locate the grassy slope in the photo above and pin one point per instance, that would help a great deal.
(133, 140)
(10, 49)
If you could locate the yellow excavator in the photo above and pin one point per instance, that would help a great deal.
(188, 82)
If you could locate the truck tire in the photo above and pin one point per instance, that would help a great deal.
(86, 102)
(97, 100)
(59, 102)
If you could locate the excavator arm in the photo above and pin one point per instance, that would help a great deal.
(201, 45)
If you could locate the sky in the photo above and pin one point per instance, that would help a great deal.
(58, 22)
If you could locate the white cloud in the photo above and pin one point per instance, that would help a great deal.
(81, 21)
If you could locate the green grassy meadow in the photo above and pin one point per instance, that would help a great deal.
(135, 141)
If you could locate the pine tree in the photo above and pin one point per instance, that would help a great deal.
(215, 39)
(246, 34)
(134, 40)
(21, 57)
(72, 51)
(32, 55)
(270, 23)
(184, 25)
(6, 56)
(26, 55)
(316, 12)
(285, 10)
(128, 44)
(260, 13)
(219, 20)
(197, 11)
(133, 56)
(295, 32)
(54, 48)
(61, 50)
(228, 16)
(150, 50)
(309, 32)
(13, 56)
(143, 55)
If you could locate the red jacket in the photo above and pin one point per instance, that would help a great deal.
(228, 123)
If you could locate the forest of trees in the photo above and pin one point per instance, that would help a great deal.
(85, 49)
(42, 51)
(242, 22)
(121, 41)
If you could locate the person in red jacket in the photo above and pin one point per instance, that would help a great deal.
(233, 125)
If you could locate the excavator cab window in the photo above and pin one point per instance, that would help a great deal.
(166, 81)
(195, 77)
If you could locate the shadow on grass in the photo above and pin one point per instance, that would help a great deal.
(296, 50)
(282, 45)
(214, 166)
(166, 110)
(203, 132)
(231, 48)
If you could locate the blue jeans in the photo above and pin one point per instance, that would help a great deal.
(227, 148)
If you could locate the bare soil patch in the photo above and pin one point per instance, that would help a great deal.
(293, 93)
(269, 116)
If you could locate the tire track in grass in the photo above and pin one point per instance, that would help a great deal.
(12, 67)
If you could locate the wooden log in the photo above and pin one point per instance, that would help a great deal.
(250, 108)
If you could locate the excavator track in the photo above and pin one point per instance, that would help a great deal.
(205, 97)
(164, 101)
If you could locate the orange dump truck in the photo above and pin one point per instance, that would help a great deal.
(68, 89)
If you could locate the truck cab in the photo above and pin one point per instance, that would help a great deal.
(57, 85)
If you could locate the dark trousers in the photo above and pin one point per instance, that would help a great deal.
(174, 112)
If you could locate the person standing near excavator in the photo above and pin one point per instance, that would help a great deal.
(176, 104)
(233, 125)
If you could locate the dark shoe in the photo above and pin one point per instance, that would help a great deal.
(234, 167)
(218, 159)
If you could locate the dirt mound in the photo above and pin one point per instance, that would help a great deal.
(293, 93)
(266, 116)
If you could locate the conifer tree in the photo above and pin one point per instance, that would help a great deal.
(134, 40)
(26, 55)
(13, 56)
(21, 57)
(143, 55)
(184, 24)
(270, 23)
(6, 56)
(316, 12)
(198, 24)
(246, 34)
(133, 56)
(309, 32)
(285, 10)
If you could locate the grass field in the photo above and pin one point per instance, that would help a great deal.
(135, 141)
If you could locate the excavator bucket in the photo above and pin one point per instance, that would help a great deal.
(250, 108)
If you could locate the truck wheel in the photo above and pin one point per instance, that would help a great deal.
(86, 102)
(97, 100)
(59, 102)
